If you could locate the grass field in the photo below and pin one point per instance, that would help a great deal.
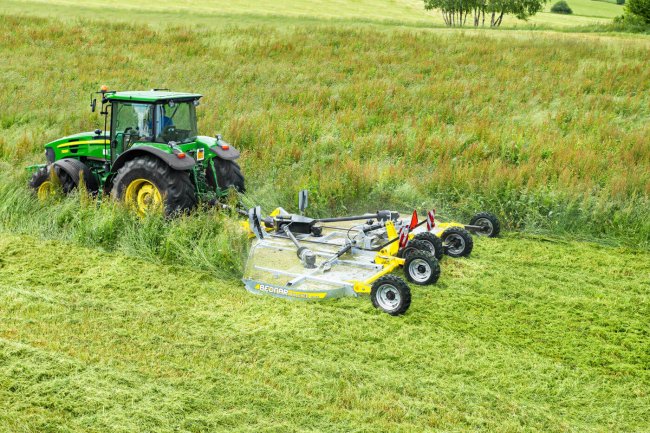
(526, 336)
(404, 12)
(547, 129)
(113, 323)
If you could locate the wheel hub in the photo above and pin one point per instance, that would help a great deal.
(419, 270)
(143, 195)
(388, 297)
(456, 244)
(45, 190)
(487, 226)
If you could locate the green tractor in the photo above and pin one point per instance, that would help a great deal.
(152, 157)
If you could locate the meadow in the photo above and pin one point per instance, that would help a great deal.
(549, 130)
(109, 322)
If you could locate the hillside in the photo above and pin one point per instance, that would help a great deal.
(211, 12)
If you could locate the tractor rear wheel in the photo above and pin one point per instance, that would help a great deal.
(147, 184)
(228, 173)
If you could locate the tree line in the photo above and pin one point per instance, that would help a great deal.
(457, 12)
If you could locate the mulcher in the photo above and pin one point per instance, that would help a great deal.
(149, 155)
(297, 257)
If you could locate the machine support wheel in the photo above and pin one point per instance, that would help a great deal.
(422, 268)
(228, 173)
(489, 222)
(435, 244)
(391, 295)
(412, 246)
(147, 184)
(458, 242)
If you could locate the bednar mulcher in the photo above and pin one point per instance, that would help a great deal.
(297, 257)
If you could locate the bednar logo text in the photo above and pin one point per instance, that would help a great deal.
(271, 289)
(292, 293)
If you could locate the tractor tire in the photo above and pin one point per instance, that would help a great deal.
(412, 246)
(391, 295)
(422, 268)
(48, 179)
(229, 175)
(435, 244)
(489, 222)
(458, 242)
(146, 182)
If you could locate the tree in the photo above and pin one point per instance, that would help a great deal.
(455, 12)
(640, 8)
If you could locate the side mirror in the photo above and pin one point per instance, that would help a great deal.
(303, 200)
(93, 104)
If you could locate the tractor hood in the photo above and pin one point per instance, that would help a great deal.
(222, 149)
(82, 136)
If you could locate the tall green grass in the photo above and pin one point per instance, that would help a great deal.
(548, 130)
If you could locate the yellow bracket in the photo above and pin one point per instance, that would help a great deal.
(390, 264)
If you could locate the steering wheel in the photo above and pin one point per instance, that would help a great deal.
(131, 136)
(169, 133)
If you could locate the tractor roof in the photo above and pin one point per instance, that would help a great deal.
(152, 96)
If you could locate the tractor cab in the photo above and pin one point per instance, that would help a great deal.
(150, 117)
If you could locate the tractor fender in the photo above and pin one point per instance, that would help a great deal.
(229, 154)
(168, 158)
(73, 167)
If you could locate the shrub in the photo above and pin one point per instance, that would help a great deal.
(561, 7)
(640, 8)
(620, 2)
(630, 23)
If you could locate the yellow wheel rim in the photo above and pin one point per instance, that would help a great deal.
(143, 196)
(45, 190)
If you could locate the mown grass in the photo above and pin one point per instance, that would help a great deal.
(549, 131)
(527, 335)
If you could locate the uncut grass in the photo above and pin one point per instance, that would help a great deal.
(549, 132)
(92, 341)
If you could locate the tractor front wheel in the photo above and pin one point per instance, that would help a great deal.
(146, 184)
(48, 180)
(228, 174)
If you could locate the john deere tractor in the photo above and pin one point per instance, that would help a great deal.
(152, 157)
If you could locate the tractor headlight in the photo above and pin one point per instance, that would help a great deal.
(49, 155)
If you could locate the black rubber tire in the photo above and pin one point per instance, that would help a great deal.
(44, 173)
(434, 242)
(229, 175)
(412, 246)
(488, 220)
(74, 169)
(462, 239)
(175, 186)
(422, 259)
(395, 285)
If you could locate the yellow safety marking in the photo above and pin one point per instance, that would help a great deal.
(76, 143)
